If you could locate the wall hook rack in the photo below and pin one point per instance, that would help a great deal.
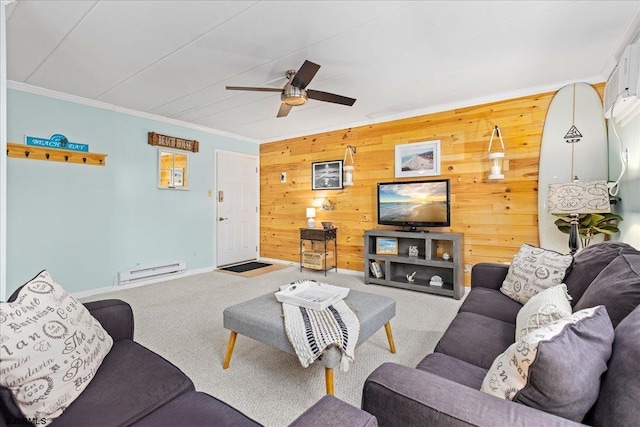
(54, 154)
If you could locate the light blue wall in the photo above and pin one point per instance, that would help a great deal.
(85, 223)
(629, 207)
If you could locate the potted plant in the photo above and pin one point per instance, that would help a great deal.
(590, 225)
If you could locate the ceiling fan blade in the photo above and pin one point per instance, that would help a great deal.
(284, 110)
(330, 97)
(256, 89)
(305, 74)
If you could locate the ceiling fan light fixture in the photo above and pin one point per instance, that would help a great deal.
(292, 95)
(295, 91)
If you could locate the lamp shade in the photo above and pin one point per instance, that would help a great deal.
(311, 212)
(579, 198)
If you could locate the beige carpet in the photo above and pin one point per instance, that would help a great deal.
(182, 321)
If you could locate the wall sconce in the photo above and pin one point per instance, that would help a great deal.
(322, 203)
(311, 214)
(348, 165)
(497, 157)
(326, 205)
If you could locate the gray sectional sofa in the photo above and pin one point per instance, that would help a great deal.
(136, 387)
(444, 388)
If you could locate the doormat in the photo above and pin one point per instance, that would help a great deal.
(253, 270)
(247, 266)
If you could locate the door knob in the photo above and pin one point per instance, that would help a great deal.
(222, 219)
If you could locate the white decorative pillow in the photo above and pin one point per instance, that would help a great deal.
(533, 270)
(51, 348)
(547, 368)
(543, 308)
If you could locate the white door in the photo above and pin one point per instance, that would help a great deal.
(236, 207)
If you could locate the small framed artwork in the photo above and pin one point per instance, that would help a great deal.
(173, 170)
(386, 246)
(418, 159)
(326, 175)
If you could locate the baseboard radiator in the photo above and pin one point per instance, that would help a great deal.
(137, 274)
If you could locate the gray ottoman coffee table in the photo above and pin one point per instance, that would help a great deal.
(261, 319)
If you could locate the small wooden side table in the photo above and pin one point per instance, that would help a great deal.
(321, 235)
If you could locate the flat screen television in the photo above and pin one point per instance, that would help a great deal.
(414, 204)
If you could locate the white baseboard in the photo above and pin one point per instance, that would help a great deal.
(116, 287)
(107, 289)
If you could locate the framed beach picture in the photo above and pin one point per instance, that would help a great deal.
(326, 175)
(386, 246)
(418, 159)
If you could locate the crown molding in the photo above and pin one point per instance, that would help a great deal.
(446, 107)
(23, 87)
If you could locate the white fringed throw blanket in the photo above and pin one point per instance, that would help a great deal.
(311, 332)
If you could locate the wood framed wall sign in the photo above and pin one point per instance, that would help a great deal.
(173, 142)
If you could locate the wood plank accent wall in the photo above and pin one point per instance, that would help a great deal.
(496, 217)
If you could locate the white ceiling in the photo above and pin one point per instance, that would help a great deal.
(397, 58)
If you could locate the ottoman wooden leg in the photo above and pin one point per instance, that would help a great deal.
(387, 327)
(232, 342)
(328, 375)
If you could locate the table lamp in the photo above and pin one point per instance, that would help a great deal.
(575, 198)
(311, 214)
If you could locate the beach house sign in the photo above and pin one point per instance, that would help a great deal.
(173, 142)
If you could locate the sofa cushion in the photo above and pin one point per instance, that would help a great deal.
(533, 270)
(588, 263)
(132, 382)
(617, 403)
(476, 339)
(617, 287)
(196, 409)
(453, 369)
(543, 308)
(51, 348)
(491, 303)
(556, 368)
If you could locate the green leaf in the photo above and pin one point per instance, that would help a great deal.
(562, 222)
(589, 225)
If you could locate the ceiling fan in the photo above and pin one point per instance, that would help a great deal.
(295, 92)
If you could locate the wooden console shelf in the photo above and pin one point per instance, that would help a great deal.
(428, 262)
(23, 151)
(321, 236)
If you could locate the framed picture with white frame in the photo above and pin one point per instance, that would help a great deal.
(418, 159)
(326, 175)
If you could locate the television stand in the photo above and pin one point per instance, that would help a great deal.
(394, 269)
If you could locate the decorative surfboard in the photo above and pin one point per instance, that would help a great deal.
(574, 144)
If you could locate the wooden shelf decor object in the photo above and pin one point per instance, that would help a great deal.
(23, 151)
